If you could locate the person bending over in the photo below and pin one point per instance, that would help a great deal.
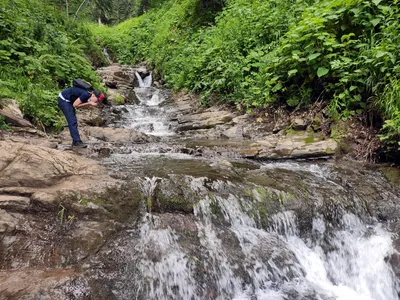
(69, 100)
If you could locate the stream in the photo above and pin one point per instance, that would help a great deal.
(217, 226)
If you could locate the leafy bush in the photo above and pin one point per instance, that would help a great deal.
(40, 53)
(259, 52)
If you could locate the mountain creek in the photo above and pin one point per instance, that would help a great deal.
(172, 200)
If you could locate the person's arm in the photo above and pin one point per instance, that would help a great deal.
(79, 104)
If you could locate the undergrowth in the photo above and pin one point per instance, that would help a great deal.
(256, 53)
(41, 52)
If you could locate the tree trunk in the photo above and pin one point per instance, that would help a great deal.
(99, 19)
(66, 8)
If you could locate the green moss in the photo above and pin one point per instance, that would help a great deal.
(392, 174)
(339, 130)
(342, 148)
(121, 202)
(330, 151)
(309, 139)
(170, 203)
(119, 99)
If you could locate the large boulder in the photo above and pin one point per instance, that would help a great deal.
(29, 165)
(13, 115)
(121, 80)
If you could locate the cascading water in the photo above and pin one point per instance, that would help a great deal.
(106, 55)
(146, 82)
(286, 231)
(231, 256)
(147, 116)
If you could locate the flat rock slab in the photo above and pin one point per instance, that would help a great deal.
(289, 147)
(118, 135)
(12, 202)
(29, 165)
(204, 120)
(33, 283)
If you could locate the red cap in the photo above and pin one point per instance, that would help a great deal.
(99, 95)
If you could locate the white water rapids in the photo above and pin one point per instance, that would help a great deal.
(277, 263)
(236, 258)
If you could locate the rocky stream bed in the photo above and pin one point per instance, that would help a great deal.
(176, 201)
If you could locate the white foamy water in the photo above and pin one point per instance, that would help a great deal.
(322, 171)
(355, 268)
(164, 269)
(148, 119)
(144, 82)
(242, 261)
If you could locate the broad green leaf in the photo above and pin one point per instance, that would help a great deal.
(313, 56)
(277, 87)
(376, 2)
(380, 53)
(375, 22)
(291, 72)
(322, 71)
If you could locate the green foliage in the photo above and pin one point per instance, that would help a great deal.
(120, 99)
(389, 104)
(40, 53)
(259, 52)
(3, 124)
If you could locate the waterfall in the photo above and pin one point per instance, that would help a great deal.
(146, 82)
(106, 55)
(164, 273)
(242, 261)
(286, 231)
(147, 115)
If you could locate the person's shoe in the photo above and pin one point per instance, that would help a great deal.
(79, 144)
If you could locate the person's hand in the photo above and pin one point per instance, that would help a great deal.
(93, 103)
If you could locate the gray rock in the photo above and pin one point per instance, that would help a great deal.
(14, 202)
(7, 222)
(13, 115)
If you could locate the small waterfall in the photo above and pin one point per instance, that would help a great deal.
(147, 116)
(146, 82)
(106, 55)
(162, 269)
(239, 260)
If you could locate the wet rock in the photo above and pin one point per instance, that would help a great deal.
(7, 222)
(118, 135)
(121, 81)
(88, 237)
(38, 284)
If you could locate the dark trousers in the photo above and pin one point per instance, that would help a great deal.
(69, 112)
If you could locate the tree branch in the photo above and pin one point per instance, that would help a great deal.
(79, 8)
